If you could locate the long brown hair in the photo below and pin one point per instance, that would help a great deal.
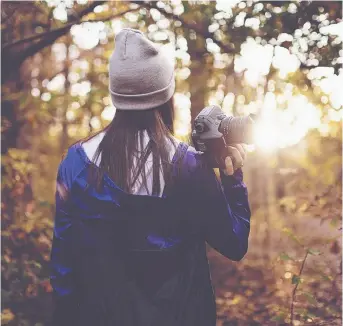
(124, 140)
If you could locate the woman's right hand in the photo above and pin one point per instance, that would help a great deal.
(235, 160)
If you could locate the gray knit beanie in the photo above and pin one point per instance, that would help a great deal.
(141, 76)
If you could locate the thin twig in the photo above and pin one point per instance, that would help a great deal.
(111, 17)
(57, 31)
(296, 287)
(63, 28)
(49, 19)
(5, 19)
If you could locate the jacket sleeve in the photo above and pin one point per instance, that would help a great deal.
(62, 269)
(223, 211)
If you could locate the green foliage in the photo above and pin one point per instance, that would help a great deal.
(292, 235)
(314, 252)
(284, 256)
(310, 298)
(296, 279)
(280, 317)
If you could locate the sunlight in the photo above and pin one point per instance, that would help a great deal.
(284, 61)
(251, 53)
(282, 128)
(108, 113)
(86, 35)
(182, 120)
(265, 135)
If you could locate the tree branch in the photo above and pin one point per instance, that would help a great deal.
(63, 29)
(111, 17)
(58, 31)
(10, 59)
(48, 38)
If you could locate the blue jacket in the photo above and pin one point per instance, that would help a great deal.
(129, 260)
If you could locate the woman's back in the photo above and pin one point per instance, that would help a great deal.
(134, 209)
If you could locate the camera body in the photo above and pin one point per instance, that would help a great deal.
(213, 131)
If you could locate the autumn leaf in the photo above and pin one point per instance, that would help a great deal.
(6, 316)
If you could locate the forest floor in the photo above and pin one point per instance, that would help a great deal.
(245, 294)
(249, 295)
(259, 289)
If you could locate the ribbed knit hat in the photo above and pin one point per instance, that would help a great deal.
(141, 75)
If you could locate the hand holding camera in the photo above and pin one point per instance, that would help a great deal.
(235, 159)
(221, 137)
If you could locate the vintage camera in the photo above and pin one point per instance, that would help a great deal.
(213, 131)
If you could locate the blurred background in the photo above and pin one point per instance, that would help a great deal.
(281, 60)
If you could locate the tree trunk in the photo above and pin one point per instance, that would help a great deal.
(198, 83)
(64, 109)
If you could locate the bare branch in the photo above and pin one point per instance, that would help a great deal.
(63, 29)
(74, 17)
(49, 19)
(12, 59)
(111, 17)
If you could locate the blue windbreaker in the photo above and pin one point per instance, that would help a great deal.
(136, 260)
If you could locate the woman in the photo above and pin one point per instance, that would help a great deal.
(135, 207)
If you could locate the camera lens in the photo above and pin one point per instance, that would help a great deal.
(237, 130)
(199, 127)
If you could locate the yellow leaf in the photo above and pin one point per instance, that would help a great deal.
(303, 208)
(6, 316)
(235, 300)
